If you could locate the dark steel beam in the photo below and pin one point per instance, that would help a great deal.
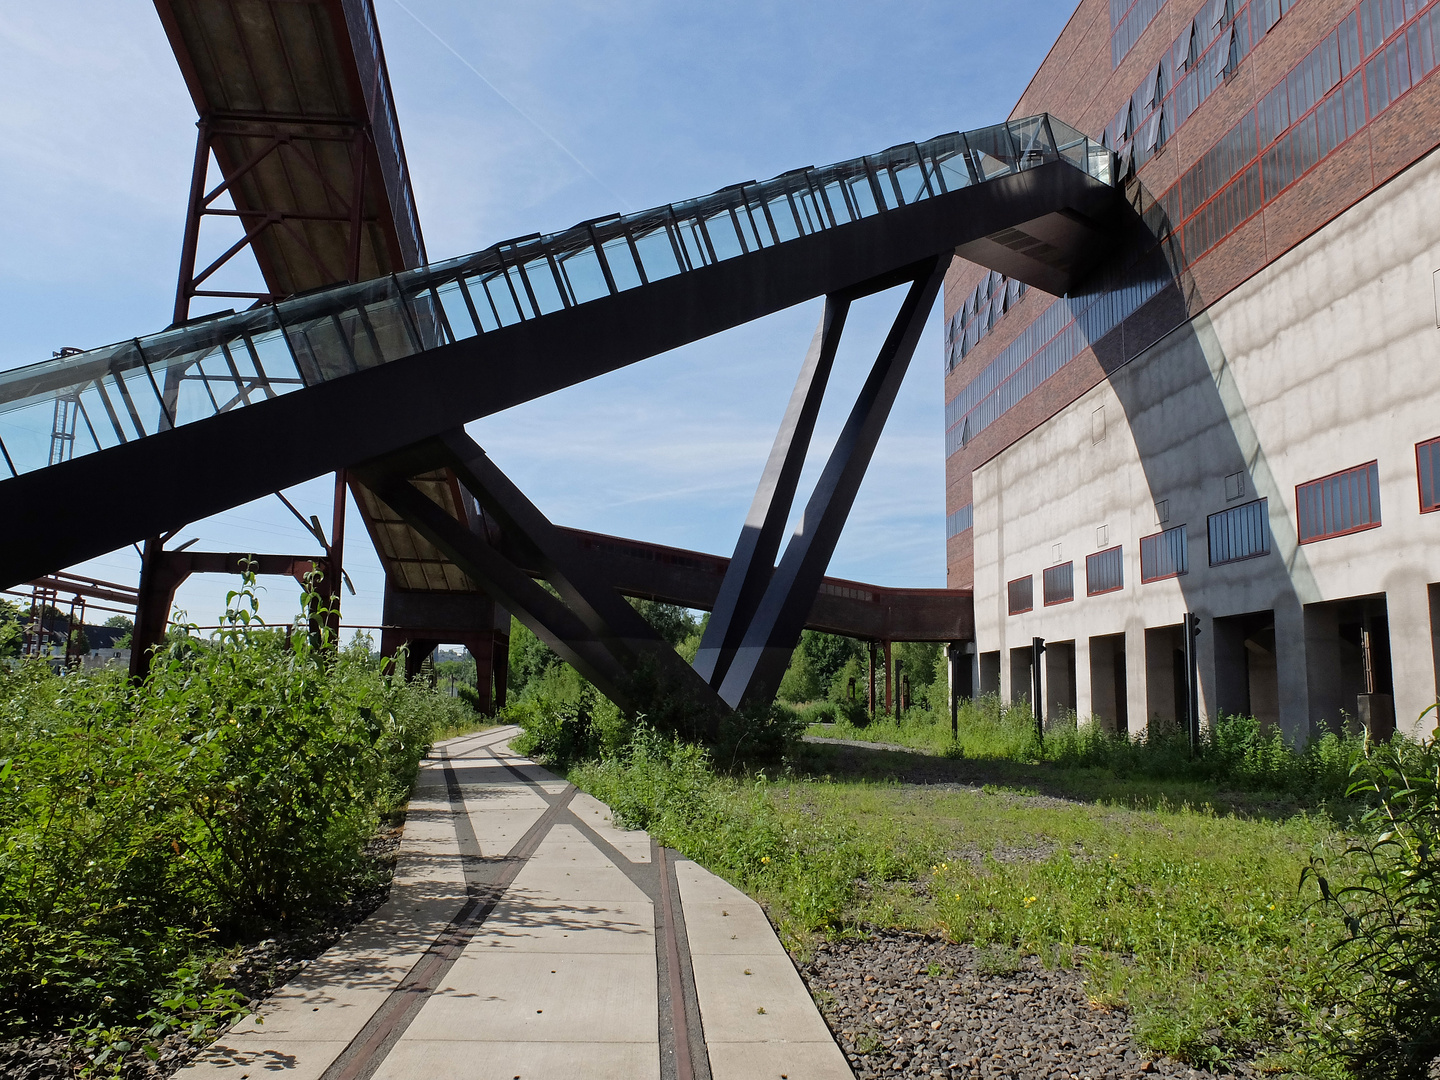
(753, 562)
(623, 630)
(765, 650)
(175, 476)
(546, 615)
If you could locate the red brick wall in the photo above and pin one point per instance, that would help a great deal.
(1076, 84)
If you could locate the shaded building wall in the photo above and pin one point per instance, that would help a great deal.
(1324, 360)
(1229, 220)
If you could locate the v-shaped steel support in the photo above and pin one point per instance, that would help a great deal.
(589, 624)
(769, 637)
(754, 560)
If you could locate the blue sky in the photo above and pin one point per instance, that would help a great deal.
(522, 118)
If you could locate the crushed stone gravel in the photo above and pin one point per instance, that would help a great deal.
(903, 1004)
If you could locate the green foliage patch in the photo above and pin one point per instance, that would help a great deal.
(143, 827)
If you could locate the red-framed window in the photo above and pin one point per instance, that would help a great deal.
(1105, 571)
(1339, 504)
(1164, 555)
(1021, 594)
(1240, 533)
(1427, 470)
(1059, 584)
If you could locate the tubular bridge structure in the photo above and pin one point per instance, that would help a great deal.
(378, 377)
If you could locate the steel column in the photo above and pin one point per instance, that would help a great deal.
(755, 673)
(753, 562)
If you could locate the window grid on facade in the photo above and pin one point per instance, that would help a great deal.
(1105, 571)
(1022, 594)
(1059, 584)
(1242, 532)
(1427, 468)
(1164, 555)
(1341, 503)
(959, 520)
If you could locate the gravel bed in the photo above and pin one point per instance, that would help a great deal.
(261, 968)
(906, 1005)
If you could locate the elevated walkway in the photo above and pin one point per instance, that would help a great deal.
(192, 421)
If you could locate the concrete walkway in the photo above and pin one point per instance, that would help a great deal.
(528, 938)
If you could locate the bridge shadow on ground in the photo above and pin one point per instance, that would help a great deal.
(1035, 782)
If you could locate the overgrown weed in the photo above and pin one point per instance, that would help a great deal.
(144, 827)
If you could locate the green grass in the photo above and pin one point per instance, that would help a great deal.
(1187, 915)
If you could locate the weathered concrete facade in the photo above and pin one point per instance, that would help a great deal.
(1327, 358)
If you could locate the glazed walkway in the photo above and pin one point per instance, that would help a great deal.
(527, 938)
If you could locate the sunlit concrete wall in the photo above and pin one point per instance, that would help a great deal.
(1326, 359)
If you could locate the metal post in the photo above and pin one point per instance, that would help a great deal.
(870, 675)
(889, 700)
(1037, 686)
(185, 287)
(764, 653)
(336, 553)
(753, 562)
(1192, 680)
(953, 654)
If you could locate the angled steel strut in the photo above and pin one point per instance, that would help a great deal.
(754, 560)
(588, 624)
(769, 637)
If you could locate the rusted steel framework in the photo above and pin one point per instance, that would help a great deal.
(363, 375)
(295, 108)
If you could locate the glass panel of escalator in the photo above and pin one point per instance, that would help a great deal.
(25, 429)
(862, 195)
(692, 241)
(273, 363)
(621, 259)
(583, 275)
(102, 424)
(909, 174)
(753, 227)
(426, 327)
(1032, 141)
(1071, 145)
(992, 151)
(543, 284)
(137, 394)
(782, 214)
(833, 190)
(502, 300)
(323, 349)
(724, 237)
(457, 312)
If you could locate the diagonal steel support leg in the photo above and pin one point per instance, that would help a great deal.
(549, 618)
(754, 559)
(754, 675)
(631, 663)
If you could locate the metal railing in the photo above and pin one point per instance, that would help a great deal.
(139, 387)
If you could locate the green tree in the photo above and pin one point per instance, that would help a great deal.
(12, 628)
(672, 622)
(121, 622)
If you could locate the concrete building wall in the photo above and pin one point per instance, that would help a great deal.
(1327, 358)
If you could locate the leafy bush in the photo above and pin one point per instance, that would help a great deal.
(1386, 1021)
(230, 794)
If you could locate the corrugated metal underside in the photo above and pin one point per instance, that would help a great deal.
(411, 560)
(267, 69)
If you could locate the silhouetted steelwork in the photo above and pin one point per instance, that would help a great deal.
(753, 562)
(764, 652)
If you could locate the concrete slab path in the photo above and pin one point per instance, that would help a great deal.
(526, 937)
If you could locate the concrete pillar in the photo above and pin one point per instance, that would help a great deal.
(1411, 654)
(1292, 662)
(1136, 692)
(1084, 691)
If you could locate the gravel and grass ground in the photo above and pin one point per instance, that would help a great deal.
(1164, 913)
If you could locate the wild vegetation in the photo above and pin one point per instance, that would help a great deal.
(146, 830)
(1252, 900)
